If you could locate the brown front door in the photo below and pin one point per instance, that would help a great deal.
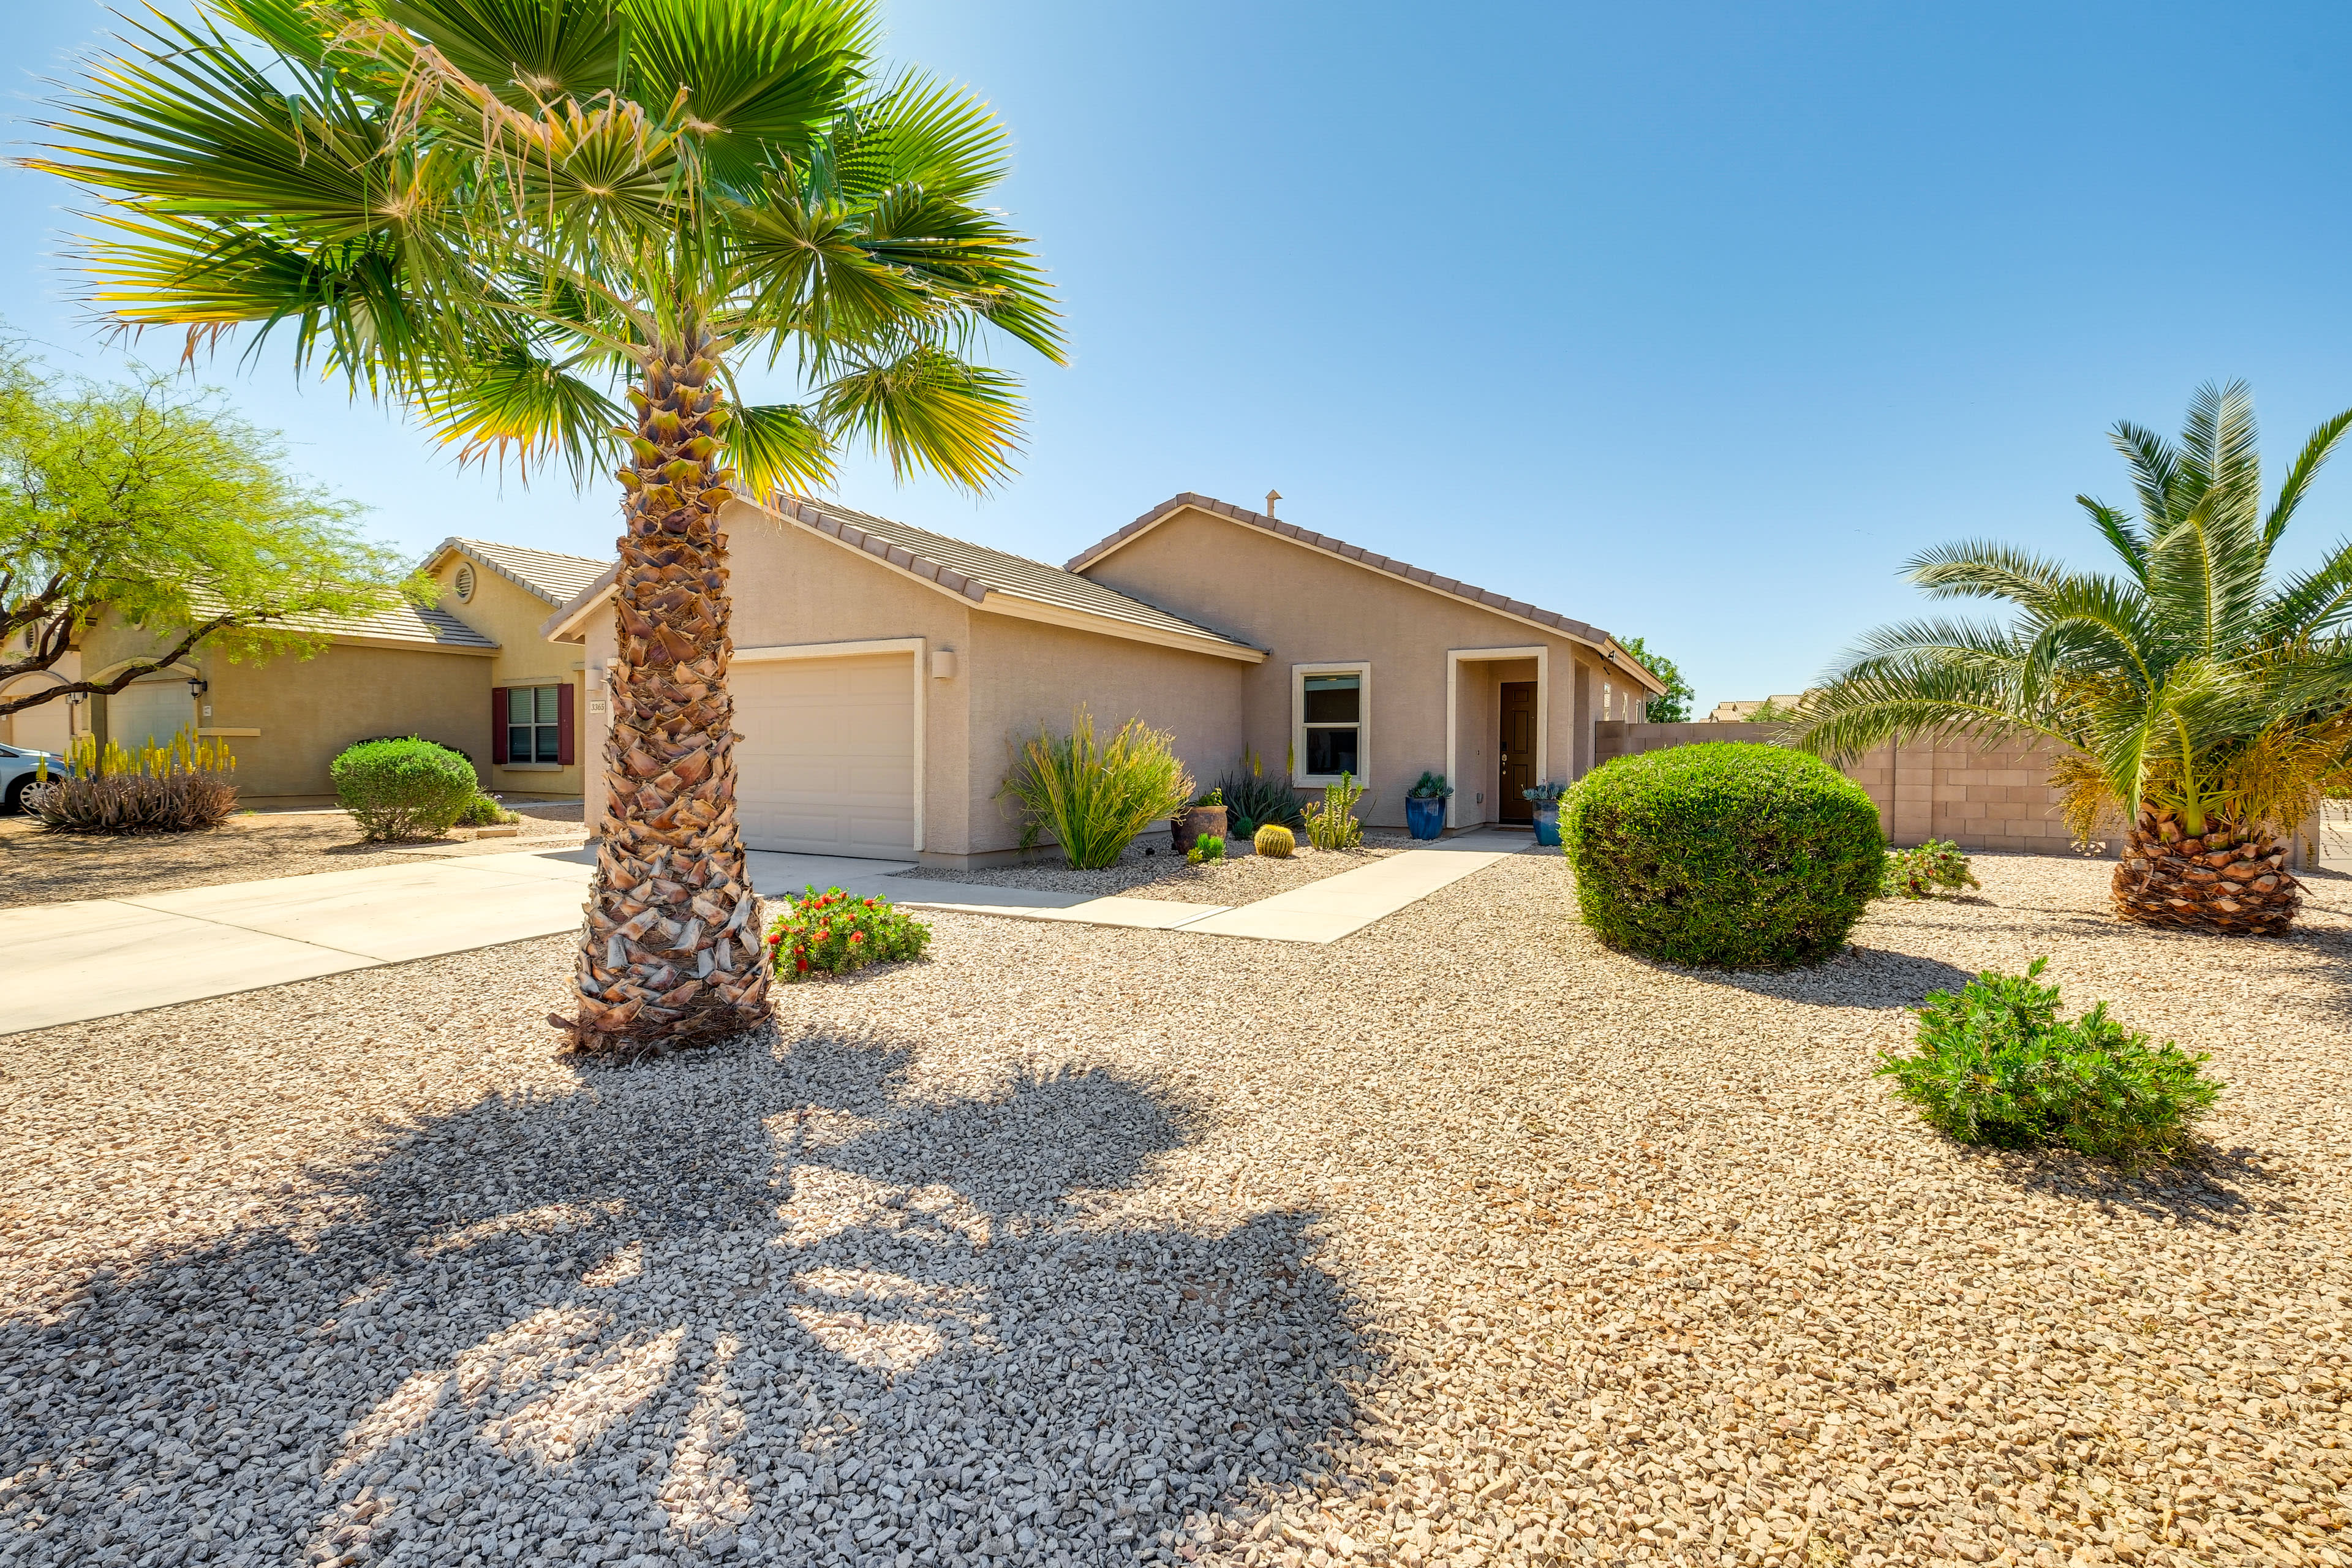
(1518, 750)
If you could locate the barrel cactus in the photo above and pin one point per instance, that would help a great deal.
(1275, 840)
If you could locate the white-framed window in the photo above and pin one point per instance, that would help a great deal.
(534, 734)
(1331, 709)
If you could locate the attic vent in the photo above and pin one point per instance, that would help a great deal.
(464, 583)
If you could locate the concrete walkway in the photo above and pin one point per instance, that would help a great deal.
(66, 963)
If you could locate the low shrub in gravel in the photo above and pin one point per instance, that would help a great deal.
(1937, 866)
(1208, 847)
(1996, 1064)
(403, 788)
(486, 811)
(1723, 855)
(834, 933)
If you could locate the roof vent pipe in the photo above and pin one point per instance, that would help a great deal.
(1271, 496)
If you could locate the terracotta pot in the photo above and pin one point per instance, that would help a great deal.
(1189, 823)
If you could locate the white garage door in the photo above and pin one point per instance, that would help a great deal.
(827, 765)
(149, 709)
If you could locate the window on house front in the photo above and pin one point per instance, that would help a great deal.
(532, 733)
(1330, 707)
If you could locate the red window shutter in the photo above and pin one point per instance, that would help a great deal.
(564, 707)
(499, 725)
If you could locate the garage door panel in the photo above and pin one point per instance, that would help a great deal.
(827, 759)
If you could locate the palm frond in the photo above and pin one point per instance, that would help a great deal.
(2317, 449)
(928, 410)
(529, 52)
(778, 446)
(2116, 529)
(758, 80)
(512, 403)
(2155, 470)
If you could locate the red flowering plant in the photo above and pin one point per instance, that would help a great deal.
(834, 933)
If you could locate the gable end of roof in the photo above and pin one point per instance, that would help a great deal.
(1518, 609)
(547, 574)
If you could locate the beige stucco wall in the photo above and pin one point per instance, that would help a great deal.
(51, 726)
(306, 711)
(511, 615)
(1024, 674)
(793, 587)
(1308, 607)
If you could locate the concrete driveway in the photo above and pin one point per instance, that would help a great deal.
(63, 963)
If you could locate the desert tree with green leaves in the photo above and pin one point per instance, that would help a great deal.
(494, 214)
(2199, 696)
(154, 502)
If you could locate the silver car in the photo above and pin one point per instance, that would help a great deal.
(19, 767)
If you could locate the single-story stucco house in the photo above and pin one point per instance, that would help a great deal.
(471, 671)
(882, 672)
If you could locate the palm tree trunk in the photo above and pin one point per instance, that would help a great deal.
(2226, 880)
(672, 949)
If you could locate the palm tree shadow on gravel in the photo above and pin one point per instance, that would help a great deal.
(680, 1312)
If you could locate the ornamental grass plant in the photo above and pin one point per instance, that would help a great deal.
(832, 932)
(1723, 855)
(1995, 1064)
(1094, 796)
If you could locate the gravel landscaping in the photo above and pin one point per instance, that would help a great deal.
(1172, 878)
(37, 868)
(1462, 1240)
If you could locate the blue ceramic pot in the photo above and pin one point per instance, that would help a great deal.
(1548, 824)
(1425, 818)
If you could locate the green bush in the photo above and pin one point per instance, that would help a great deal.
(1723, 855)
(1208, 847)
(1996, 1064)
(403, 789)
(483, 811)
(834, 933)
(1934, 866)
(1096, 797)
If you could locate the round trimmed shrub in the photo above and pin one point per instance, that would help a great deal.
(1723, 855)
(403, 789)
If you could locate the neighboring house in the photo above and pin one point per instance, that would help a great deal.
(52, 726)
(471, 672)
(881, 673)
(533, 703)
(1742, 712)
(401, 671)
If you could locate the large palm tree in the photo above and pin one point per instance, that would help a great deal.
(2199, 696)
(495, 213)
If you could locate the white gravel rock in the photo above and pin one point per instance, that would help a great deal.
(1462, 1240)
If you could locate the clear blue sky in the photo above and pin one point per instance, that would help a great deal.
(1691, 320)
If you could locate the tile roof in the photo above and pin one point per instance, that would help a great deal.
(975, 570)
(398, 621)
(1341, 548)
(555, 577)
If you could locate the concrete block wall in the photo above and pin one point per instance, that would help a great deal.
(1994, 799)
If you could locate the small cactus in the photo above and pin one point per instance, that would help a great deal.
(1275, 839)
